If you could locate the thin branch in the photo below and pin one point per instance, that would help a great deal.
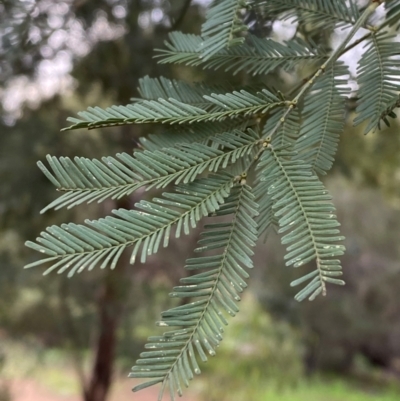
(182, 15)
(346, 49)
(333, 57)
(310, 82)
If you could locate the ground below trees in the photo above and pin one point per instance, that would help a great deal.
(32, 390)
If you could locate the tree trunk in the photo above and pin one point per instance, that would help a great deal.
(112, 300)
(109, 314)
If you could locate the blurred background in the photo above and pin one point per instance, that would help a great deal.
(76, 339)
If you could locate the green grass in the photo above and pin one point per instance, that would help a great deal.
(261, 359)
(231, 380)
(49, 367)
(315, 389)
(329, 390)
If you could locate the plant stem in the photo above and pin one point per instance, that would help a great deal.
(353, 45)
(333, 57)
(307, 85)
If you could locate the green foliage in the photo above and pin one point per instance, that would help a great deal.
(156, 88)
(323, 120)
(379, 86)
(317, 13)
(216, 139)
(88, 180)
(76, 247)
(221, 28)
(256, 56)
(393, 13)
(303, 207)
(217, 107)
(198, 325)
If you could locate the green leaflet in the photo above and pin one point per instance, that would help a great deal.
(389, 112)
(393, 13)
(286, 135)
(323, 119)
(256, 56)
(87, 180)
(222, 27)
(306, 216)
(288, 130)
(379, 86)
(164, 88)
(177, 135)
(155, 88)
(172, 111)
(75, 248)
(317, 13)
(266, 217)
(196, 329)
